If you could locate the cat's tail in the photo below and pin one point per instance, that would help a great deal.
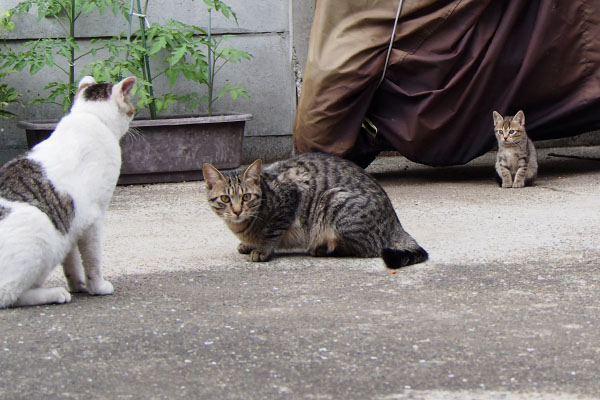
(403, 251)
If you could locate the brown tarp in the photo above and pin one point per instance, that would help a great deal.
(452, 63)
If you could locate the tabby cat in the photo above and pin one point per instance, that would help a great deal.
(53, 199)
(313, 202)
(516, 162)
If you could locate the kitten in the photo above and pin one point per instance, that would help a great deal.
(53, 199)
(516, 162)
(314, 202)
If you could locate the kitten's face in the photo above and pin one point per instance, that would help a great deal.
(509, 130)
(236, 198)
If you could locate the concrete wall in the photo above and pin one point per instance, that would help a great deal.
(275, 32)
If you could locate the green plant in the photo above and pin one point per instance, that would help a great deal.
(218, 58)
(41, 53)
(188, 51)
(8, 95)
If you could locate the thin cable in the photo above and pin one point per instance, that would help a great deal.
(389, 51)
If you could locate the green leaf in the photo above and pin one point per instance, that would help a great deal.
(177, 55)
(158, 45)
(172, 74)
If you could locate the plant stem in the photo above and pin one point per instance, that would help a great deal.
(152, 105)
(72, 53)
(210, 63)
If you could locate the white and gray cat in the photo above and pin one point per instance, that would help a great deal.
(313, 202)
(53, 199)
(516, 162)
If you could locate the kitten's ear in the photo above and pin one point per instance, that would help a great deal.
(253, 171)
(85, 82)
(498, 119)
(519, 118)
(126, 85)
(212, 176)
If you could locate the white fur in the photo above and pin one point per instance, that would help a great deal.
(82, 158)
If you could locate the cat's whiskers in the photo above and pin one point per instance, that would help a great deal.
(256, 216)
(135, 134)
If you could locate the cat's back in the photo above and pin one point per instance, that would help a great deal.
(81, 157)
(321, 171)
(78, 137)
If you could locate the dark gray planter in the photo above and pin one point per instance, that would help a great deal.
(169, 149)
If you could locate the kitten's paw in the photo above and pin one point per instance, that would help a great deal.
(518, 185)
(258, 256)
(244, 248)
(100, 288)
(507, 185)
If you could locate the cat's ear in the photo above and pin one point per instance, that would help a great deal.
(212, 176)
(85, 82)
(519, 118)
(253, 171)
(126, 85)
(498, 119)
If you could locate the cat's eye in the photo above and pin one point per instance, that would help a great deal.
(246, 197)
(225, 199)
(511, 132)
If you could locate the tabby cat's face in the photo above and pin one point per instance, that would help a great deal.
(510, 130)
(236, 198)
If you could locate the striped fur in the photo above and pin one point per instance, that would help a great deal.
(516, 161)
(314, 202)
(24, 180)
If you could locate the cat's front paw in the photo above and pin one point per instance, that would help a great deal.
(258, 256)
(507, 185)
(518, 184)
(244, 248)
(100, 288)
(77, 286)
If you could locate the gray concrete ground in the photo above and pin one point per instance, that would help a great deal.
(507, 307)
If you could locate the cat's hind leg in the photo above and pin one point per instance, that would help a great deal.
(323, 239)
(25, 285)
(324, 242)
(334, 233)
(532, 167)
(30, 248)
(39, 296)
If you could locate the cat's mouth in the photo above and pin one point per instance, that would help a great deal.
(237, 219)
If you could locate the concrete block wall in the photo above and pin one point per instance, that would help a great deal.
(275, 32)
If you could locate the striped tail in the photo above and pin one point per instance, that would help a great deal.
(403, 251)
